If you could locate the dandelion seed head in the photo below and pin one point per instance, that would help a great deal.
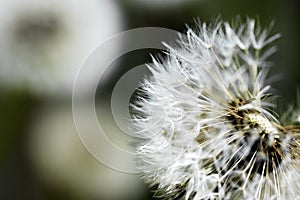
(207, 122)
(44, 43)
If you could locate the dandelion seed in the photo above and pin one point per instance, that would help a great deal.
(207, 121)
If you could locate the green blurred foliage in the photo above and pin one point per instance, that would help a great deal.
(15, 108)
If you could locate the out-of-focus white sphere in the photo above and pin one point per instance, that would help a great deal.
(298, 118)
(61, 160)
(43, 43)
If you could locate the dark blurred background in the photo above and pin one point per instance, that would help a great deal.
(41, 156)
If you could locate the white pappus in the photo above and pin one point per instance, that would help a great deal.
(207, 121)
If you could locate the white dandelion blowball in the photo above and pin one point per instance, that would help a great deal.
(43, 43)
(206, 119)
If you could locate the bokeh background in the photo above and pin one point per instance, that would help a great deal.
(42, 45)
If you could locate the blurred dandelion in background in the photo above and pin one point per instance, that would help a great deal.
(62, 162)
(43, 43)
(208, 119)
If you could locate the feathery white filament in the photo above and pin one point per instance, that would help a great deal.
(204, 115)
